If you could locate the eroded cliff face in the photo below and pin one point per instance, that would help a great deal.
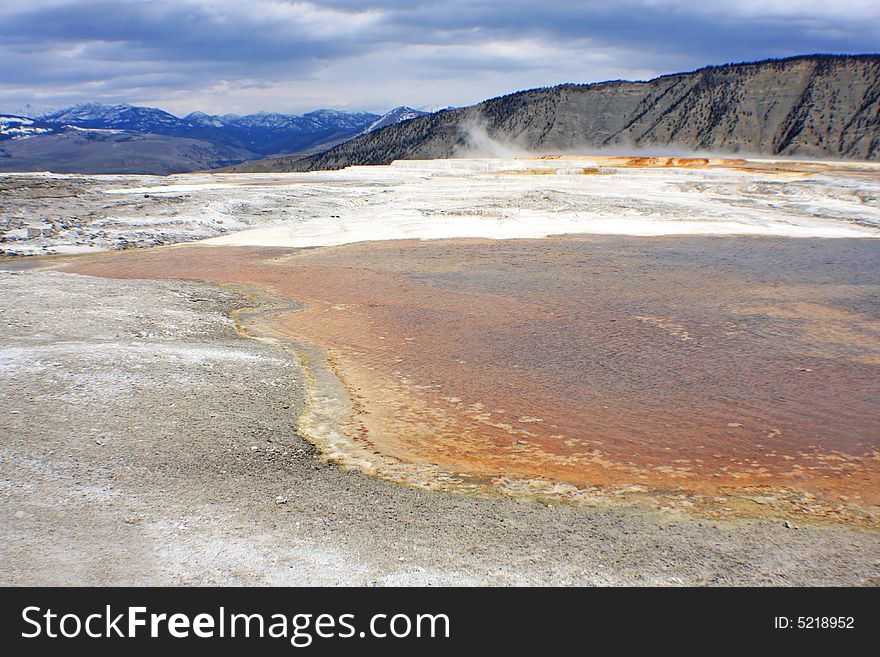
(812, 106)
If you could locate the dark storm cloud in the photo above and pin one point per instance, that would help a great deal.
(64, 50)
(675, 25)
(170, 31)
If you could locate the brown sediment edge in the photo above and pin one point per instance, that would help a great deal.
(329, 407)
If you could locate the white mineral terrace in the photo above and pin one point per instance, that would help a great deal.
(477, 198)
(516, 199)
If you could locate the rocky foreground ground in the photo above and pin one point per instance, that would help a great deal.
(145, 442)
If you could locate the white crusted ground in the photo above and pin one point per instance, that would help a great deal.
(491, 198)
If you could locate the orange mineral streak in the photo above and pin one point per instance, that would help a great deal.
(581, 363)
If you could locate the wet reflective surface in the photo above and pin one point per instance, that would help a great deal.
(708, 370)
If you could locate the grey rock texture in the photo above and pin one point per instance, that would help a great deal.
(823, 106)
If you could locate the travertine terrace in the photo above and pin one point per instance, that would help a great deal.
(492, 198)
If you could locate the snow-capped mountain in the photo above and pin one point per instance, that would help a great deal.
(271, 120)
(21, 127)
(430, 109)
(94, 126)
(397, 115)
(345, 120)
(263, 133)
(207, 120)
(121, 117)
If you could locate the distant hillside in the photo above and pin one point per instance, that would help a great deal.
(96, 138)
(22, 127)
(810, 106)
(393, 117)
(94, 150)
(86, 138)
(263, 133)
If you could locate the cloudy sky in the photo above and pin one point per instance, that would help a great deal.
(247, 55)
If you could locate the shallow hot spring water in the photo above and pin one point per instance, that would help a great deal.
(728, 374)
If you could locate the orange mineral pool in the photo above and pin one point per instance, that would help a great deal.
(729, 375)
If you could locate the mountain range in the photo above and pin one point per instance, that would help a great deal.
(815, 106)
(97, 138)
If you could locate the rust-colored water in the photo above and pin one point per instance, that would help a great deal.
(710, 369)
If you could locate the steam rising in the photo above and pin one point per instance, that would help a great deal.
(478, 143)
